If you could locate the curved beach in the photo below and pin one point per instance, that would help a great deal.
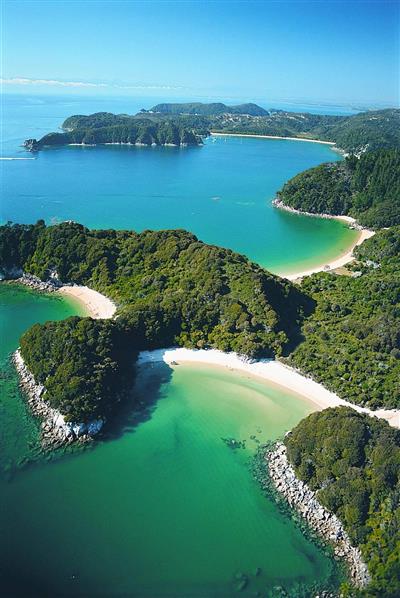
(270, 137)
(273, 371)
(270, 370)
(96, 305)
(344, 259)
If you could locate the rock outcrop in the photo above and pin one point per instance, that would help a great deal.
(32, 145)
(326, 524)
(55, 430)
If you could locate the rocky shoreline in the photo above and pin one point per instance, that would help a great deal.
(31, 281)
(55, 430)
(326, 524)
(278, 203)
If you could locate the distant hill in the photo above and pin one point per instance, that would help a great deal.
(186, 124)
(209, 109)
(367, 131)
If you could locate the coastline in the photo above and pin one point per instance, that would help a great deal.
(345, 258)
(55, 431)
(268, 370)
(270, 137)
(301, 498)
(96, 305)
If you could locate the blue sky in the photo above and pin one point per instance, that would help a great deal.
(335, 51)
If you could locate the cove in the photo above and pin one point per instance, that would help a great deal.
(163, 506)
(221, 192)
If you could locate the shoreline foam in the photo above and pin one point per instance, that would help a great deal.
(269, 370)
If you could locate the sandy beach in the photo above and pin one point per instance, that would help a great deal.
(270, 137)
(270, 370)
(343, 259)
(340, 261)
(97, 305)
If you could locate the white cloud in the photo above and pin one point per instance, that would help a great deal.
(50, 82)
(55, 83)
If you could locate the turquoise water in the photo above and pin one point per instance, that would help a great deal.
(20, 308)
(222, 192)
(163, 508)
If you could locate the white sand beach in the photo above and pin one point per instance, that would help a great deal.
(97, 305)
(270, 370)
(343, 259)
(340, 261)
(270, 137)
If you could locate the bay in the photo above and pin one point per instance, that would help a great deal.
(221, 192)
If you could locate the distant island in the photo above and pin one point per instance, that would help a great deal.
(186, 124)
(199, 108)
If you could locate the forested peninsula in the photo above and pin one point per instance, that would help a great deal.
(104, 128)
(367, 189)
(186, 124)
(171, 289)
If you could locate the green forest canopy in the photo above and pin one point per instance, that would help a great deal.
(352, 339)
(170, 289)
(353, 462)
(367, 189)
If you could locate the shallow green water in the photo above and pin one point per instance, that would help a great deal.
(165, 507)
(20, 308)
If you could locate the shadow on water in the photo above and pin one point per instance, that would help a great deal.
(148, 389)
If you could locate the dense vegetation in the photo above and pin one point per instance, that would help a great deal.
(83, 363)
(352, 339)
(170, 288)
(367, 189)
(353, 462)
(367, 131)
(209, 109)
(109, 128)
